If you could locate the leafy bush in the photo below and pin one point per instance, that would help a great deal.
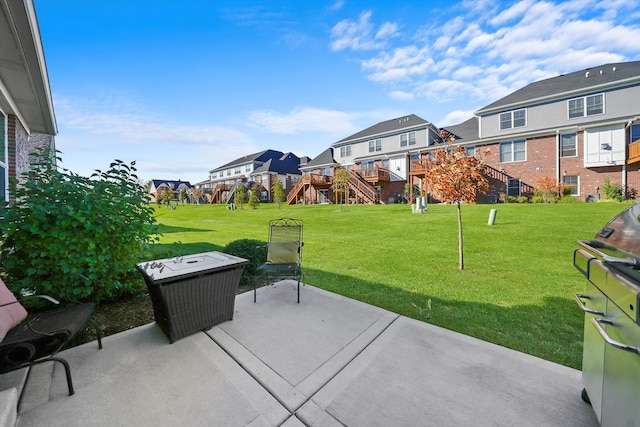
(523, 199)
(511, 199)
(537, 199)
(612, 191)
(548, 189)
(76, 238)
(246, 248)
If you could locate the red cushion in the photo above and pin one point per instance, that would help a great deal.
(12, 314)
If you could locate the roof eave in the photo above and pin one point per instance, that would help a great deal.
(560, 95)
(34, 107)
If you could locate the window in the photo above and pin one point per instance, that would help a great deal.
(368, 164)
(635, 133)
(247, 168)
(513, 119)
(470, 151)
(513, 187)
(571, 181)
(594, 105)
(385, 163)
(375, 145)
(326, 171)
(513, 151)
(345, 151)
(407, 139)
(237, 171)
(568, 145)
(228, 172)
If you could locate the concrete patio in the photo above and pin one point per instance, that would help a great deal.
(328, 361)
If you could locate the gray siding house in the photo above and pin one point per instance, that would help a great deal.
(579, 129)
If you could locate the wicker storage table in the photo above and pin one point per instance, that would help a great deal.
(193, 292)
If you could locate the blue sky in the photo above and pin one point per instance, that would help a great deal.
(183, 87)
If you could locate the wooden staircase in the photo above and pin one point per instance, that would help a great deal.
(493, 173)
(217, 193)
(362, 188)
(308, 180)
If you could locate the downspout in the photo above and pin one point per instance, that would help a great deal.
(626, 155)
(558, 154)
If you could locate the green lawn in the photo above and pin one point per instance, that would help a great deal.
(516, 290)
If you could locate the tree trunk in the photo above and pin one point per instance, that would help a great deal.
(460, 246)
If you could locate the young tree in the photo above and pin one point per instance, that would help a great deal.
(455, 177)
(407, 192)
(184, 196)
(166, 196)
(279, 195)
(254, 198)
(240, 195)
(341, 184)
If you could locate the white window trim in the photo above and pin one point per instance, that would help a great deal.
(409, 144)
(576, 145)
(512, 144)
(512, 120)
(584, 106)
(577, 186)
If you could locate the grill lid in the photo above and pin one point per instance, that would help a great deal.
(621, 236)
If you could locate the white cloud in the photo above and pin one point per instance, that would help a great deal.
(401, 95)
(118, 121)
(359, 35)
(483, 53)
(94, 133)
(337, 5)
(456, 117)
(400, 64)
(304, 120)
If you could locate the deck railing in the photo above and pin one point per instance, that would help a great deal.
(634, 152)
(375, 174)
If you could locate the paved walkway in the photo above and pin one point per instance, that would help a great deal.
(328, 361)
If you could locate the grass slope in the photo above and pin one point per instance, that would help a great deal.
(516, 290)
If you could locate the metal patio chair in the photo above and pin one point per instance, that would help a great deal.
(38, 337)
(284, 253)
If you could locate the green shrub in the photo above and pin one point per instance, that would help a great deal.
(537, 199)
(511, 199)
(76, 238)
(612, 191)
(246, 248)
(568, 190)
(523, 199)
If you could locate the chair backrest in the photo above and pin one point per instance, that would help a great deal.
(285, 241)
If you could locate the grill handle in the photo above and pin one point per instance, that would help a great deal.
(617, 344)
(579, 297)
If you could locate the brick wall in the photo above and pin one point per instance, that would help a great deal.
(541, 162)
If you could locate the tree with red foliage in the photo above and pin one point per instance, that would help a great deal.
(549, 189)
(455, 177)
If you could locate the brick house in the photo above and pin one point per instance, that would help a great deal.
(260, 169)
(158, 186)
(578, 129)
(27, 119)
(377, 160)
